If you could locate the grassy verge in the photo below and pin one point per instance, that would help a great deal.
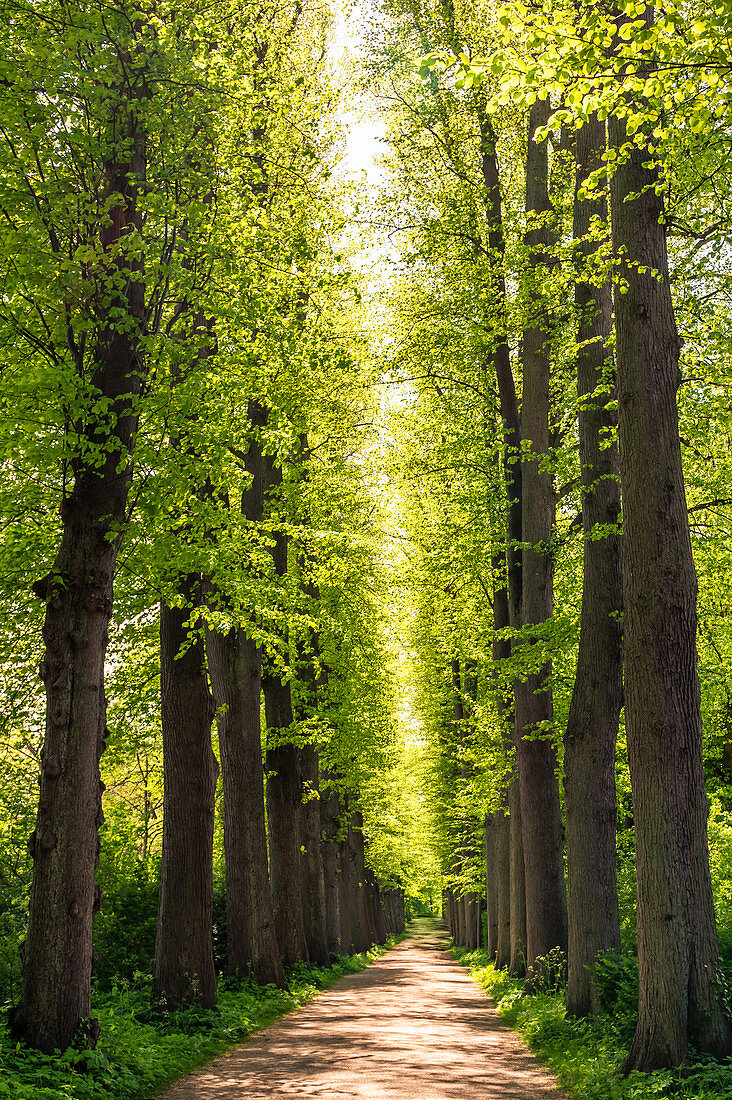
(139, 1052)
(586, 1055)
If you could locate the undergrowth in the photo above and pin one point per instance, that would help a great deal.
(141, 1050)
(586, 1054)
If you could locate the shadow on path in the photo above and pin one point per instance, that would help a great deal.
(412, 1026)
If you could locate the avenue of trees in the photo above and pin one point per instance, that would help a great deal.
(182, 415)
(324, 604)
(560, 192)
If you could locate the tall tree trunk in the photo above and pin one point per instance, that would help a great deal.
(284, 802)
(592, 726)
(491, 881)
(56, 991)
(546, 903)
(306, 702)
(235, 666)
(502, 872)
(472, 919)
(517, 882)
(366, 918)
(184, 965)
(313, 874)
(351, 914)
(284, 784)
(330, 820)
(678, 958)
(508, 874)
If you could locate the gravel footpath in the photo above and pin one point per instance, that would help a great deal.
(412, 1026)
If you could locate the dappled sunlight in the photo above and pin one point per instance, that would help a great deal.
(412, 1026)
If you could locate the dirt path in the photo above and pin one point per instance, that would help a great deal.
(413, 1026)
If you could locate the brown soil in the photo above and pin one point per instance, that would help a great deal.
(413, 1026)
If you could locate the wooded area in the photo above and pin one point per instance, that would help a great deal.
(333, 595)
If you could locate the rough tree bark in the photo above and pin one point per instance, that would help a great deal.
(330, 824)
(55, 997)
(678, 958)
(306, 701)
(284, 783)
(235, 665)
(284, 802)
(592, 725)
(368, 928)
(502, 867)
(546, 903)
(354, 933)
(184, 964)
(313, 873)
(501, 863)
(491, 881)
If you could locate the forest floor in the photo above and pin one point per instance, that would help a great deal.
(412, 1026)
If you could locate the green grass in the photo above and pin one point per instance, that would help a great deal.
(586, 1055)
(139, 1052)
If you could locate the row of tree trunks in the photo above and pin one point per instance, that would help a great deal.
(235, 668)
(355, 912)
(463, 915)
(680, 996)
(677, 946)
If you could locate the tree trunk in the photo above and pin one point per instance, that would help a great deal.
(472, 917)
(366, 917)
(491, 881)
(307, 692)
(330, 815)
(678, 958)
(284, 801)
(351, 914)
(505, 870)
(235, 667)
(592, 726)
(184, 965)
(502, 872)
(55, 996)
(462, 920)
(284, 783)
(546, 904)
(313, 874)
(517, 964)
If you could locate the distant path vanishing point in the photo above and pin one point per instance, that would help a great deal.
(412, 1026)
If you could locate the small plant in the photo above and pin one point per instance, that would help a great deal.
(548, 973)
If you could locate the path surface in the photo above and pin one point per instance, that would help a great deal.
(412, 1026)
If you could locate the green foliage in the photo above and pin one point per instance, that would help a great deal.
(720, 861)
(124, 928)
